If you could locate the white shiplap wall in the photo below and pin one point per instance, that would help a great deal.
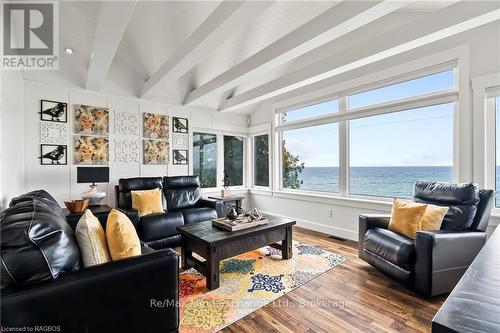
(60, 181)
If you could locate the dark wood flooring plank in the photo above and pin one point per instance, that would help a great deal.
(372, 301)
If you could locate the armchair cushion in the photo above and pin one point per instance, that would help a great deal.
(462, 200)
(194, 215)
(391, 246)
(181, 191)
(366, 222)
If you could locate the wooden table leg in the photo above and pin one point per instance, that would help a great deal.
(213, 274)
(184, 252)
(286, 244)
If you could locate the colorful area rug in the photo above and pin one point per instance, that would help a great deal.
(248, 282)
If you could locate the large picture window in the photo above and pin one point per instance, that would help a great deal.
(497, 152)
(310, 158)
(422, 85)
(233, 159)
(373, 142)
(389, 152)
(315, 110)
(205, 158)
(261, 160)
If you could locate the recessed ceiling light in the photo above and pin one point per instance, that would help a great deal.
(69, 50)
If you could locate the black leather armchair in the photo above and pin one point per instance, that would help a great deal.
(435, 261)
(182, 202)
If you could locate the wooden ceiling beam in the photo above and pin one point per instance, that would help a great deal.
(108, 35)
(222, 23)
(422, 33)
(338, 21)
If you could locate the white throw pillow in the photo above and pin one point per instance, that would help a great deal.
(91, 240)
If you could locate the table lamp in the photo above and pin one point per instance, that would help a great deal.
(93, 175)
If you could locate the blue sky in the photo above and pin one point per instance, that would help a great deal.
(420, 137)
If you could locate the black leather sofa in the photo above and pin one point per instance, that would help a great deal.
(45, 288)
(435, 261)
(182, 202)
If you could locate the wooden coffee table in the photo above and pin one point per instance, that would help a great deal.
(215, 244)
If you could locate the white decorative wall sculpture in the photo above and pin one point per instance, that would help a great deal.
(180, 141)
(126, 150)
(53, 132)
(126, 123)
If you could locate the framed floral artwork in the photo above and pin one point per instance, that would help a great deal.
(155, 151)
(91, 120)
(155, 126)
(91, 150)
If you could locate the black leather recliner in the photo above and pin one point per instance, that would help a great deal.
(182, 202)
(45, 289)
(435, 261)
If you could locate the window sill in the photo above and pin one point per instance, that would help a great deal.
(329, 199)
(216, 190)
(261, 191)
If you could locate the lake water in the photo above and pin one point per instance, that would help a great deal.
(376, 181)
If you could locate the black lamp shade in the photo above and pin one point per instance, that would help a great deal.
(92, 175)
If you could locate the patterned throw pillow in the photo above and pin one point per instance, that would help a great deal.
(91, 240)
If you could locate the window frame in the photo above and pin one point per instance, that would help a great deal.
(217, 154)
(484, 89)
(220, 156)
(252, 159)
(344, 115)
(491, 149)
(244, 156)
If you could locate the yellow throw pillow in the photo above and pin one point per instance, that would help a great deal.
(433, 217)
(406, 216)
(147, 202)
(91, 240)
(123, 241)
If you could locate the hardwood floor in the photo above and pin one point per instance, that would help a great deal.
(352, 297)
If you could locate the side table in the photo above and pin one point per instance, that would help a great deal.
(101, 212)
(232, 201)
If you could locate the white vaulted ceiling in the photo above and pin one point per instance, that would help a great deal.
(231, 55)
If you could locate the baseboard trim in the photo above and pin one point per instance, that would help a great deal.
(326, 229)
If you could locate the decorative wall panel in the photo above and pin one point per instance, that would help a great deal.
(126, 123)
(53, 132)
(180, 141)
(126, 150)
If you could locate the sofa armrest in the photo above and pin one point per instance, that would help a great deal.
(218, 205)
(442, 257)
(138, 294)
(368, 221)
